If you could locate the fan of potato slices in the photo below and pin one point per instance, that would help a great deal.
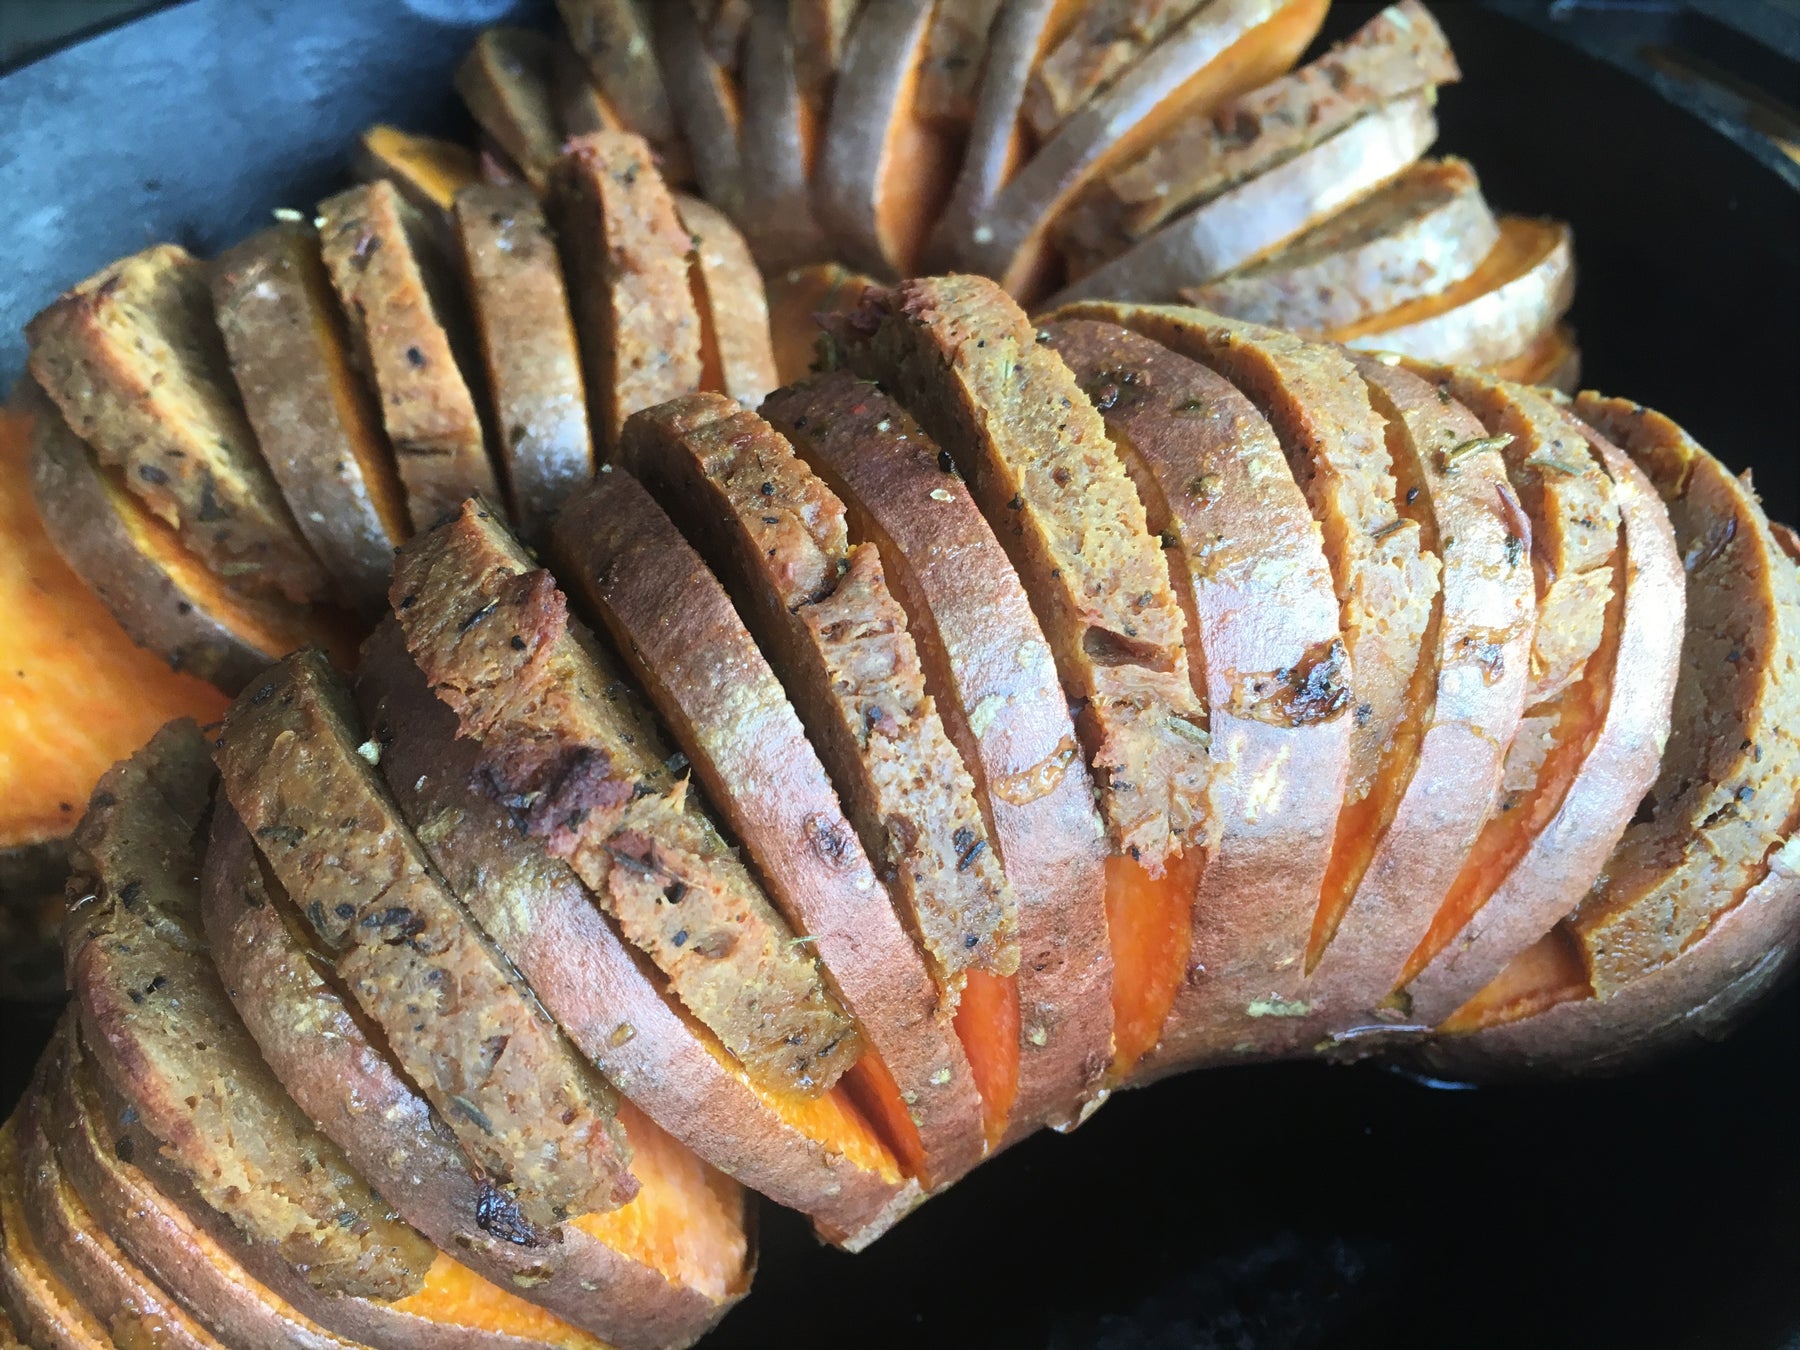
(620, 756)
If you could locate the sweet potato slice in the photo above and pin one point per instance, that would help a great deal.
(708, 105)
(821, 613)
(1220, 51)
(955, 58)
(1400, 51)
(1267, 657)
(83, 694)
(524, 1107)
(1572, 794)
(39, 1303)
(614, 38)
(528, 344)
(405, 327)
(1524, 285)
(568, 750)
(1260, 215)
(1038, 1043)
(504, 82)
(1725, 799)
(816, 1156)
(821, 29)
(1107, 39)
(79, 1251)
(428, 172)
(580, 106)
(780, 146)
(164, 597)
(1426, 230)
(737, 356)
(1552, 362)
(315, 418)
(795, 297)
(885, 170)
(964, 360)
(597, 1271)
(159, 1023)
(625, 254)
(133, 360)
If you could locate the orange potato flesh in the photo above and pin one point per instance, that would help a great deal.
(873, 1089)
(1151, 922)
(456, 1296)
(919, 167)
(987, 1024)
(1524, 243)
(794, 297)
(437, 168)
(1547, 973)
(1508, 834)
(79, 693)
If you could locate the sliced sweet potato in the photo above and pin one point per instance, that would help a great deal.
(1258, 216)
(1039, 1043)
(1552, 362)
(780, 146)
(82, 695)
(1426, 230)
(819, 1157)
(821, 29)
(519, 1100)
(133, 360)
(708, 106)
(1603, 738)
(245, 1292)
(955, 57)
(315, 418)
(821, 613)
(78, 1250)
(504, 82)
(597, 1271)
(39, 1303)
(625, 254)
(428, 172)
(886, 169)
(159, 1023)
(1726, 795)
(405, 327)
(737, 356)
(164, 597)
(965, 361)
(614, 38)
(1263, 636)
(1217, 53)
(528, 344)
(1523, 286)
(1400, 51)
(1107, 39)
(580, 106)
(584, 768)
(795, 297)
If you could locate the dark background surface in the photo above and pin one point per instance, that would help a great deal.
(1293, 1206)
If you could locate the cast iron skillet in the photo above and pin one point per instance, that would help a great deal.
(1273, 1207)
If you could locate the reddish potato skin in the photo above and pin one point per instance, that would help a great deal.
(592, 983)
(780, 144)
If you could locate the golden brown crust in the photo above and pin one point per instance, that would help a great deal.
(149, 999)
(79, 1251)
(1724, 801)
(612, 1006)
(1258, 216)
(1427, 229)
(775, 536)
(737, 354)
(626, 256)
(528, 343)
(613, 38)
(162, 596)
(505, 83)
(133, 360)
(523, 1105)
(1268, 657)
(965, 361)
(987, 661)
(567, 748)
(315, 418)
(390, 280)
(1398, 52)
